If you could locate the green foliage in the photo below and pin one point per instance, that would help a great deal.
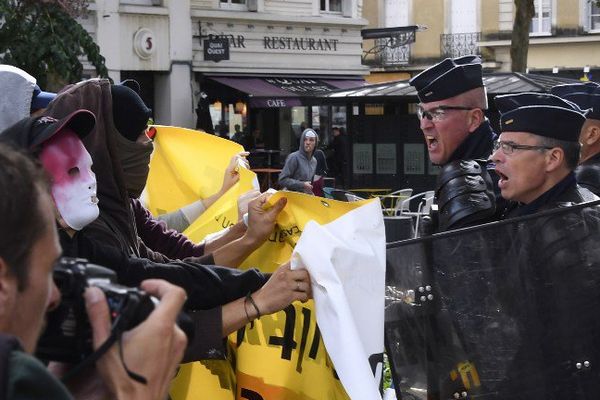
(387, 372)
(41, 38)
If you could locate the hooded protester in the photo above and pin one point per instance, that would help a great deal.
(300, 166)
(120, 215)
(58, 146)
(135, 147)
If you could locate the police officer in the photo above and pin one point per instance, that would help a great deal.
(456, 131)
(586, 96)
(537, 152)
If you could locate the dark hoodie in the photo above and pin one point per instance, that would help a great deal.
(299, 166)
(116, 225)
(112, 241)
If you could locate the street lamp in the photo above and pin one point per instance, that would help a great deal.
(390, 37)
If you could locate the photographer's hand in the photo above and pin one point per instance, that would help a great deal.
(153, 349)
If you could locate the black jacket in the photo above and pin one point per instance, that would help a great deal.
(588, 174)
(564, 194)
(206, 286)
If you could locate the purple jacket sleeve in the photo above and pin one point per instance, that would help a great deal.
(157, 237)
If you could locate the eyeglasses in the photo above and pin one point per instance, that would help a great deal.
(438, 113)
(509, 147)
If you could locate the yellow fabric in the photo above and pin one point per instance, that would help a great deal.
(279, 356)
(188, 165)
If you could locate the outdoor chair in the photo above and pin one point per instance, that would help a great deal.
(394, 200)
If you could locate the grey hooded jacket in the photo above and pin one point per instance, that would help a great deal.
(299, 167)
(17, 89)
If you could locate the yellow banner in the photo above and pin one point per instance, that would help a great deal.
(188, 165)
(279, 356)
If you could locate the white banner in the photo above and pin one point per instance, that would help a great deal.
(346, 261)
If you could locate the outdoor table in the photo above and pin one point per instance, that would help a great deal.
(269, 153)
(370, 192)
(266, 181)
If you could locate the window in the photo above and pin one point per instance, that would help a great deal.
(332, 6)
(233, 4)
(594, 17)
(141, 2)
(541, 23)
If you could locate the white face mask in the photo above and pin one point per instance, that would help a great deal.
(73, 183)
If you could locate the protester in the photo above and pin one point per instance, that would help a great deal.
(62, 153)
(537, 152)
(300, 166)
(340, 156)
(586, 96)
(451, 114)
(29, 250)
(122, 170)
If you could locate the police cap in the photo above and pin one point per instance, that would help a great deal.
(542, 114)
(448, 78)
(585, 95)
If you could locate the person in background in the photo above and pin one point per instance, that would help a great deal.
(300, 166)
(320, 173)
(238, 134)
(586, 96)
(340, 156)
(259, 142)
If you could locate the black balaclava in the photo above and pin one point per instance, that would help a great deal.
(130, 116)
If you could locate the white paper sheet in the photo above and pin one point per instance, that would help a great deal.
(346, 261)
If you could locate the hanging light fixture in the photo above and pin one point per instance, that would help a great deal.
(239, 107)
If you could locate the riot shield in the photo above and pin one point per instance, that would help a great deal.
(506, 310)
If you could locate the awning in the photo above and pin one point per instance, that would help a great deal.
(285, 92)
(496, 83)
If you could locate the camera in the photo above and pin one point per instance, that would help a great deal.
(68, 333)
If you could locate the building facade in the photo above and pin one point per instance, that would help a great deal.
(564, 35)
(215, 64)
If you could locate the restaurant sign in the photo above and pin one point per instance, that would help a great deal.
(216, 49)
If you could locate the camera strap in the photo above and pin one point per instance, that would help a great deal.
(90, 360)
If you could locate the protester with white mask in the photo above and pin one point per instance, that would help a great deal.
(73, 182)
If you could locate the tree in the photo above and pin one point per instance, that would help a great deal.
(519, 45)
(43, 38)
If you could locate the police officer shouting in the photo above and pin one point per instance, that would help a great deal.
(456, 131)
(537, 153)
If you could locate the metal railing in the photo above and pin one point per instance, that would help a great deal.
(390, 53)
(459, 44)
